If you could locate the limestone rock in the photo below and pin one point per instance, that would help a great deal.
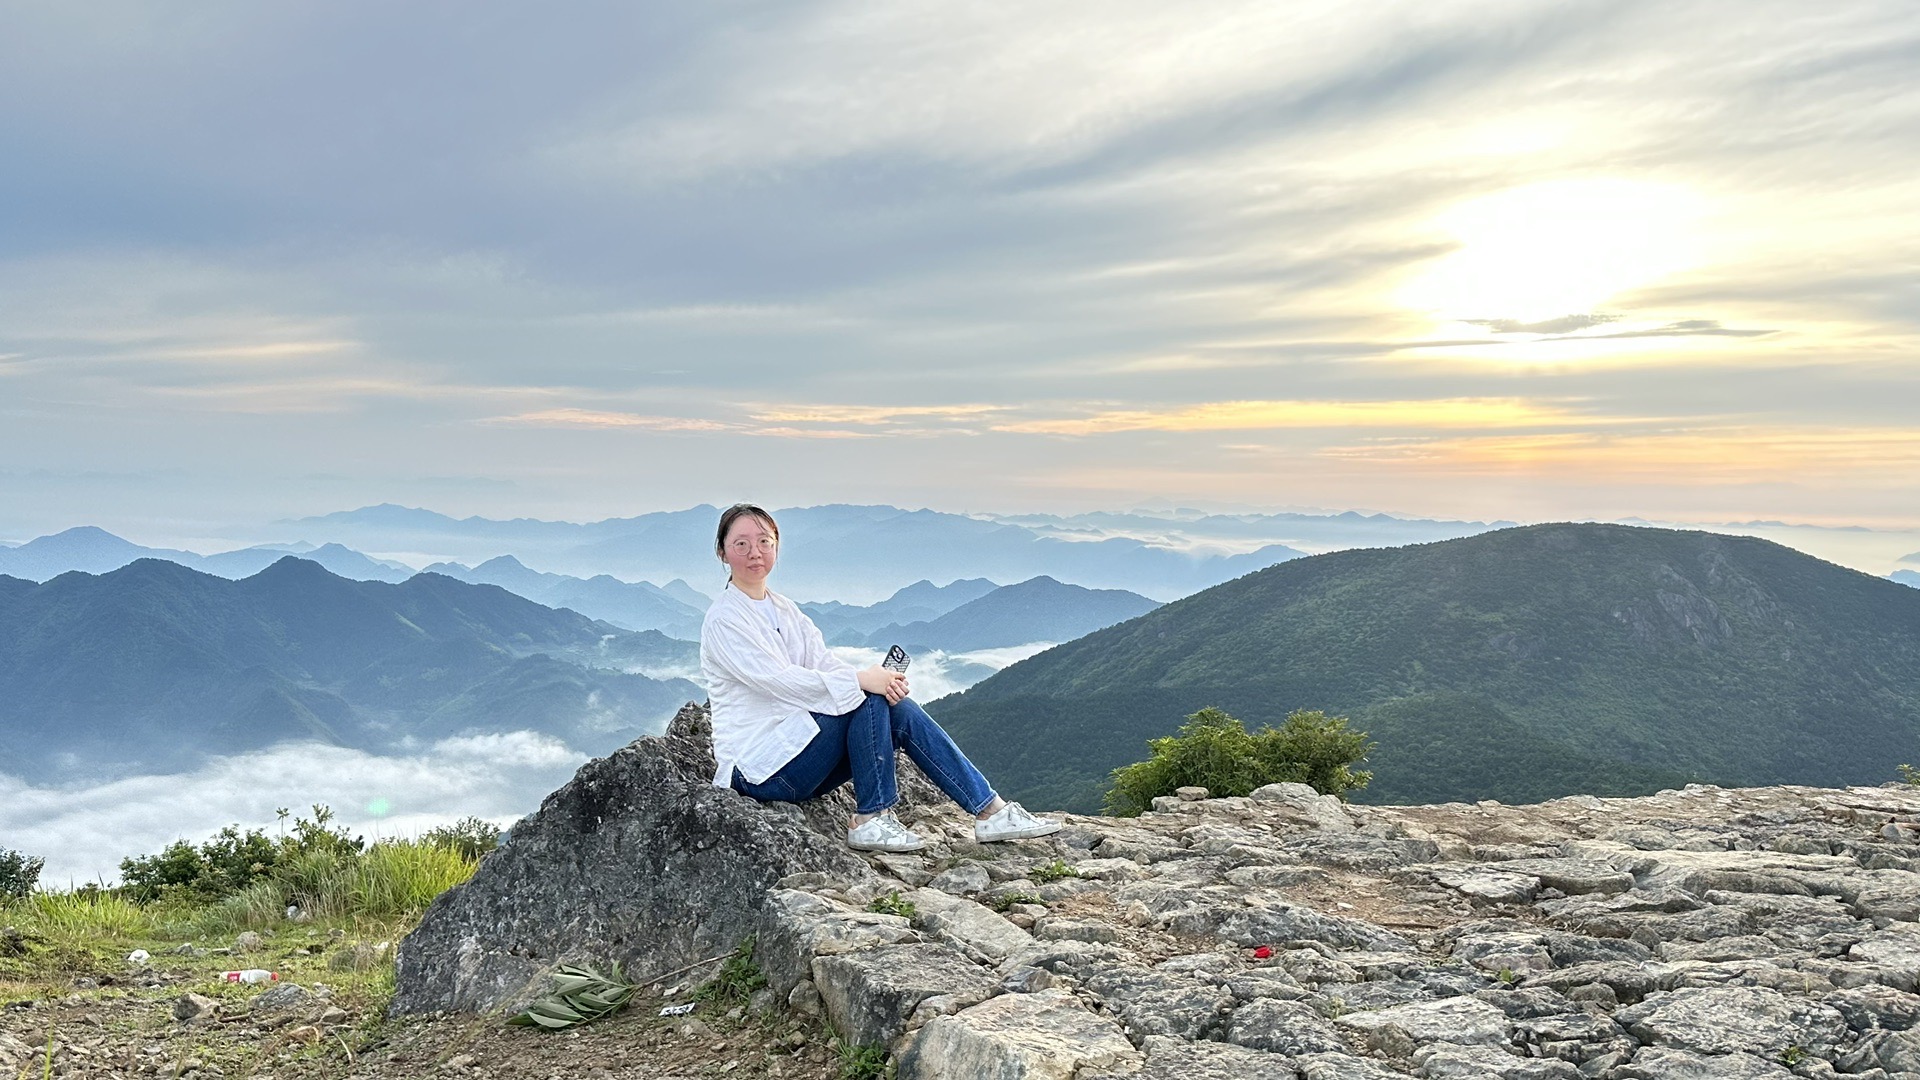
(190, 1007)
(967, 926)
(285, 998)
(1043, 1036)
(1398, 1030)
(1284, 1027)
(1661, 1064)
(1443, 1061)
(613, 867)
(1176, 1059)
(1722, 1020)
(872, 993)
(964, 879)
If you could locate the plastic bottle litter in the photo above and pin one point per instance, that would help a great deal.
(251, 975)
(678, 1010)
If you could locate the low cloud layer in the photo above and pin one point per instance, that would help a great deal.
(84, 831)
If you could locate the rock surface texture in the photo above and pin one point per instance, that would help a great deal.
(1765, 932)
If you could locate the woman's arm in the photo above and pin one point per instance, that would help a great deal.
(830, 691)
(891, 685)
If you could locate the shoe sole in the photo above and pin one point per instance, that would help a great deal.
(1024, 834)
(887, 848)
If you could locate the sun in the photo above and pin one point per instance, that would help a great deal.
(1554, 249)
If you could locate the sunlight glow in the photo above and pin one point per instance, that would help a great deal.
(1558, 248)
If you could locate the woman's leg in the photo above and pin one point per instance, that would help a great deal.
(856, 745)
(931, 748)
(817, 769)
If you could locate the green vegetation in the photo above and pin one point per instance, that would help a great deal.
(1004, 902)
(1054, 871)
(470, 837)
(893, 904)
(19, 873)
(580, 995)
(1519, 665)
(232, 861)
(866, 1062)
(739, 976)
(1215, 751)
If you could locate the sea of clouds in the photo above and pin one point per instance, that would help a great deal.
(84, 831)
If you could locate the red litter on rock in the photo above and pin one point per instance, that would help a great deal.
(251, 975)
(1262, 953)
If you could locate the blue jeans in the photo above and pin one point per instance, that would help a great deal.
(859, 746)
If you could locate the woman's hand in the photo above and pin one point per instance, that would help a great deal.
(888, 684)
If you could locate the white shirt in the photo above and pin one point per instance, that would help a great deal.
(764, 683)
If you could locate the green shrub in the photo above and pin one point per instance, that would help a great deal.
(234, 860)
(1052, 872)
(864, 1062)
(893, 904)
(736, 980)
(470, 837)
(19, 873)
(1215, 751)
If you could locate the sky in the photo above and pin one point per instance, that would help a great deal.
(578, 260)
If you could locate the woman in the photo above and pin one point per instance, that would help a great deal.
(791, 721)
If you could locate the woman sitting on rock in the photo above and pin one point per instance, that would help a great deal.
(791, 721)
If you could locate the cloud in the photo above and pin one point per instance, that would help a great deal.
(84, 831)
(935, 674)
(1251, 415)
(1689, 458)
(697, 226)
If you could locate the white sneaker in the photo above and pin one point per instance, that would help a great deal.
(883, 832)
(1012, 822)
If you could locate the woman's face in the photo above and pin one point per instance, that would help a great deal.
(749, 551)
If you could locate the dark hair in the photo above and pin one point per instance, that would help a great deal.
(734, 513)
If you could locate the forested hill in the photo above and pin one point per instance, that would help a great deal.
(1515, 665)
(154, 666)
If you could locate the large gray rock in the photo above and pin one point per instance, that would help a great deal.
(872, 994)
(1869, 1007)
(638, 860)
(1281, 922)
(1284, 1027)
(1161, 1003)
(1661, 1064)
(799, 926)
(1397, 1031)
(972, 928)
(1722, 1020)
(1175, 1059)
(1300, 802)
(1444, 1061)
(1044, 1036)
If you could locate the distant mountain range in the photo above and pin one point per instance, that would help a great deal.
(1907, 577)
(674, 609)
(1040, 609)
(1517, 665)
(97, 551)
(153, 666)
(849, 624)
(854, 554)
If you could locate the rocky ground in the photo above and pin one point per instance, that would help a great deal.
(1702, 933)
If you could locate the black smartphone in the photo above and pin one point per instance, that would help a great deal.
(897, 660)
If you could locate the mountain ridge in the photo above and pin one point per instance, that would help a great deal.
(1674, 653)
(156, 665)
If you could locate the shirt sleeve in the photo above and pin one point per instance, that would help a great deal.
(830, 689)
